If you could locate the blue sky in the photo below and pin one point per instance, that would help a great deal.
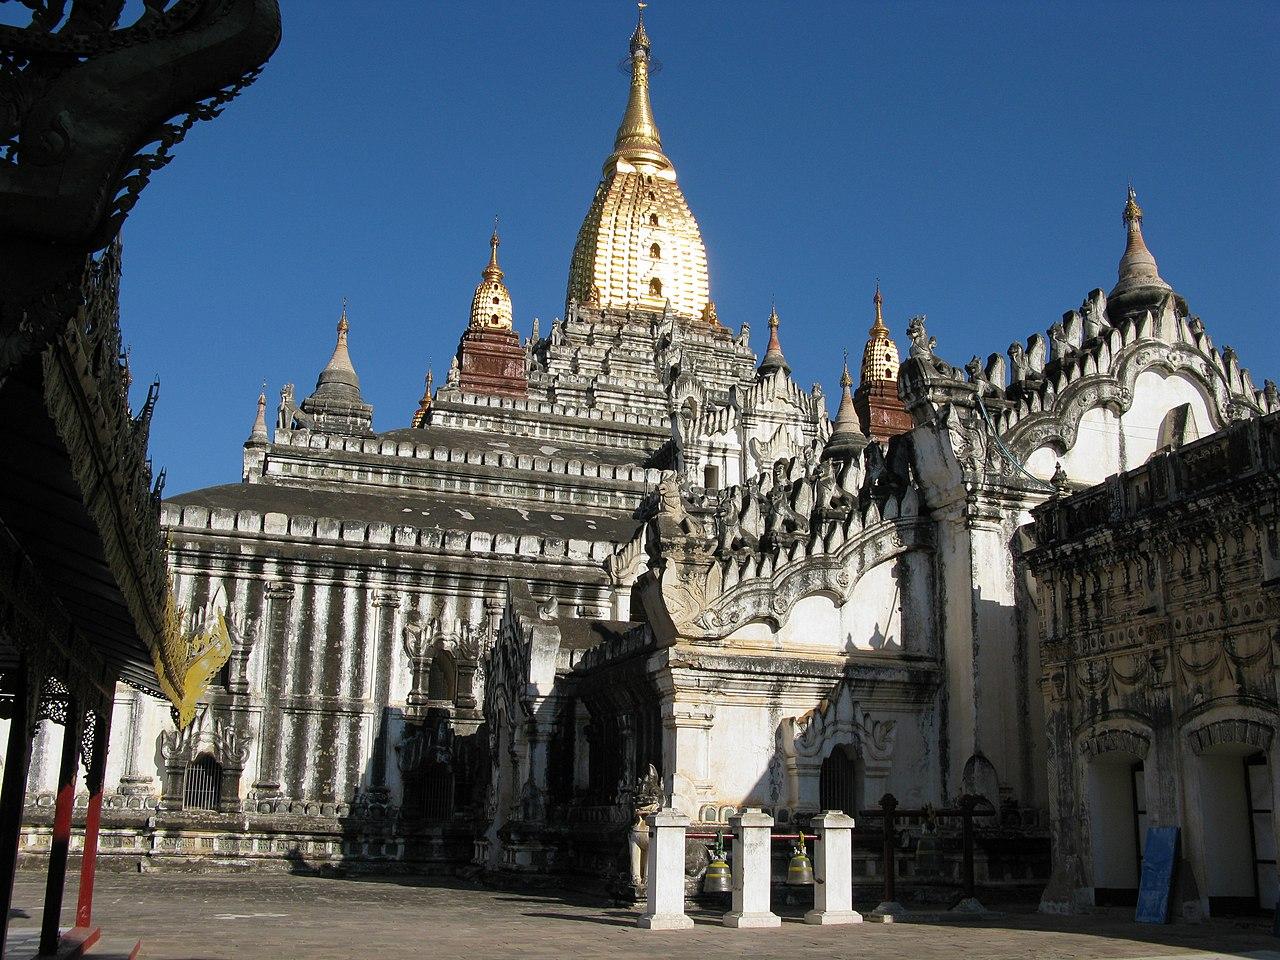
(973, 156)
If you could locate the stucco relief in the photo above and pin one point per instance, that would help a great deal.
(772, 600)
(1058, 427)
(807, 740)
(1120, 740)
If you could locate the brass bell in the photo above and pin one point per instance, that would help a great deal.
(800, 869)
(718, 878)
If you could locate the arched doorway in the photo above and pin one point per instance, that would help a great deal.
(1116, 796)
(1236, 806)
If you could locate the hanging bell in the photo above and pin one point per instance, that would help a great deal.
(800, 869)
(718, 878)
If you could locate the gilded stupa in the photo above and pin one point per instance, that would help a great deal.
(491, 305)
(639, 246)
(881, 413)
(490, 359)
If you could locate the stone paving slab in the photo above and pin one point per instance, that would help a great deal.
(272, 917)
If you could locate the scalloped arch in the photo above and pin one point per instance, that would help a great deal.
(1058, 428)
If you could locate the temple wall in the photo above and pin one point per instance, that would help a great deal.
(1108, 442)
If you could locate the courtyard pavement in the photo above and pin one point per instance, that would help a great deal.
(182, 916)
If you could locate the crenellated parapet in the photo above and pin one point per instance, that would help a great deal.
(1051, 387)
(1008, 423)
(363, 534)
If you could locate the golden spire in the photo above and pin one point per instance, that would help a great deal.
(880, 356)
(878, 328)
(638, 140)
(493, 271)
(773, 358)
(420, 415)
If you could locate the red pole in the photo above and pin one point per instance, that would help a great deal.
(95, 778)
(68, 767)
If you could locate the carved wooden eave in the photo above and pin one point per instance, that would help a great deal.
(85, 511)
(87, 114)
(84, 103)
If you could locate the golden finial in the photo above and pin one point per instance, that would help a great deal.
(639, 39)
(343, 325)
(493, 271)
(878, 329)
(638, 138)
(773, 316)
(1132, 212)
(424, 405)
(846, 381)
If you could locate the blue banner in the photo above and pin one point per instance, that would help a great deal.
(1159, 860)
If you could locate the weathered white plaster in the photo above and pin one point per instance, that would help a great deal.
(664, 909)
(833, 871)
(751, 871)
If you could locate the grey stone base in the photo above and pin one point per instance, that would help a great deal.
(832, 917)
(664, 921)
(890, 910)
(745, 920)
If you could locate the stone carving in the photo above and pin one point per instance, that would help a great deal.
(787, 509)
(646, 799)
(922, 349)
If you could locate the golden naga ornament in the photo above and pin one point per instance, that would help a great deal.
(206, 643)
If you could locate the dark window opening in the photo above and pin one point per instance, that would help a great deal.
(440, 678)
(838, 781)
(1258, 791)
(437, 792)
(655, 287)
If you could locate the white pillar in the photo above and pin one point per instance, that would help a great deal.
(833, 870)
(664, 881)
(752, 846)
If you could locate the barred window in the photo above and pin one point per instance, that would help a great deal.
(203, 788)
